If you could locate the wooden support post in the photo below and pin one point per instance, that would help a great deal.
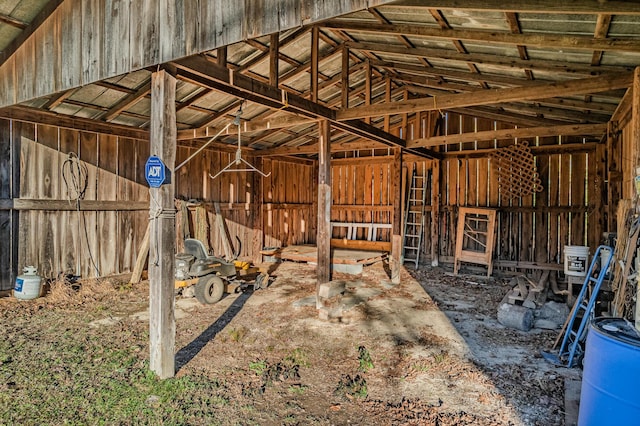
(274, 56)
(614, 174)
(256, 211)
(345, 77)
(387, 99)
(324, 207)
(222, 56)
(315, 41)
(367, 88)
(396, 235)
(162, 327)
(435, 211)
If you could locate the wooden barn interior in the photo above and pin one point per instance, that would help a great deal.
(362, 127)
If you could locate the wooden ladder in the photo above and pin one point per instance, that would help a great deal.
(414, 216)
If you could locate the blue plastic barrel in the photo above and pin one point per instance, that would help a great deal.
(610, 393)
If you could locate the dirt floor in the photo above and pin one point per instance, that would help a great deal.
(428, 351)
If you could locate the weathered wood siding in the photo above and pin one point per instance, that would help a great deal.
(84, 41)
(536, 227)
(360, 189)
(63, 241)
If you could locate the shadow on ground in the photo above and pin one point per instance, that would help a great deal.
(188, 352)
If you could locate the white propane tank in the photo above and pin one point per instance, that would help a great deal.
(28, 284)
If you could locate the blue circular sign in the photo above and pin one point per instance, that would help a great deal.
(155, 172)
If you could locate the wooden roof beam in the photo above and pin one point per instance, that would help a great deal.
(493, 96)
(483, 58)
(33, 115)
(527, 132)
(613, 7)
(556, 41)
(198, 70)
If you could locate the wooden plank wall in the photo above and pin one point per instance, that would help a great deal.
(288, 199)
(63, 241)
(8, 217)
(531, 228)
(361, 194)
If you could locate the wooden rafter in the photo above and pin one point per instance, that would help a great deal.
(444, 24)
(56, 100)
(404, 39)
(265, 53)
(494, 96)
(10, 20)
(556, 41)
(514, 24)
(602, 29)
(126, 102)
(530, 132)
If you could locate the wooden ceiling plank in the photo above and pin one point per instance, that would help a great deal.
(546, 40)
(493, 96)
(530, 132)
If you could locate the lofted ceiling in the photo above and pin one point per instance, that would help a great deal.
(536, 64)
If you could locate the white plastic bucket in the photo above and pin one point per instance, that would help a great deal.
(575, 260)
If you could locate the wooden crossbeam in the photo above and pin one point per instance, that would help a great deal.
(527, 132)
(615, 7)
(279, 122)
(33, 115)
(493, 96)
(482, 58)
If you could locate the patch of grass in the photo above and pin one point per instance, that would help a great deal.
(258, 367)
(440, 357)
(298, 357)
(364, 358)
(298, 389)
(237, 334)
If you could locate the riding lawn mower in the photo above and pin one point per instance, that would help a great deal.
(209, 277)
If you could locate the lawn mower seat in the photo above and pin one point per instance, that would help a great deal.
(195, 248)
